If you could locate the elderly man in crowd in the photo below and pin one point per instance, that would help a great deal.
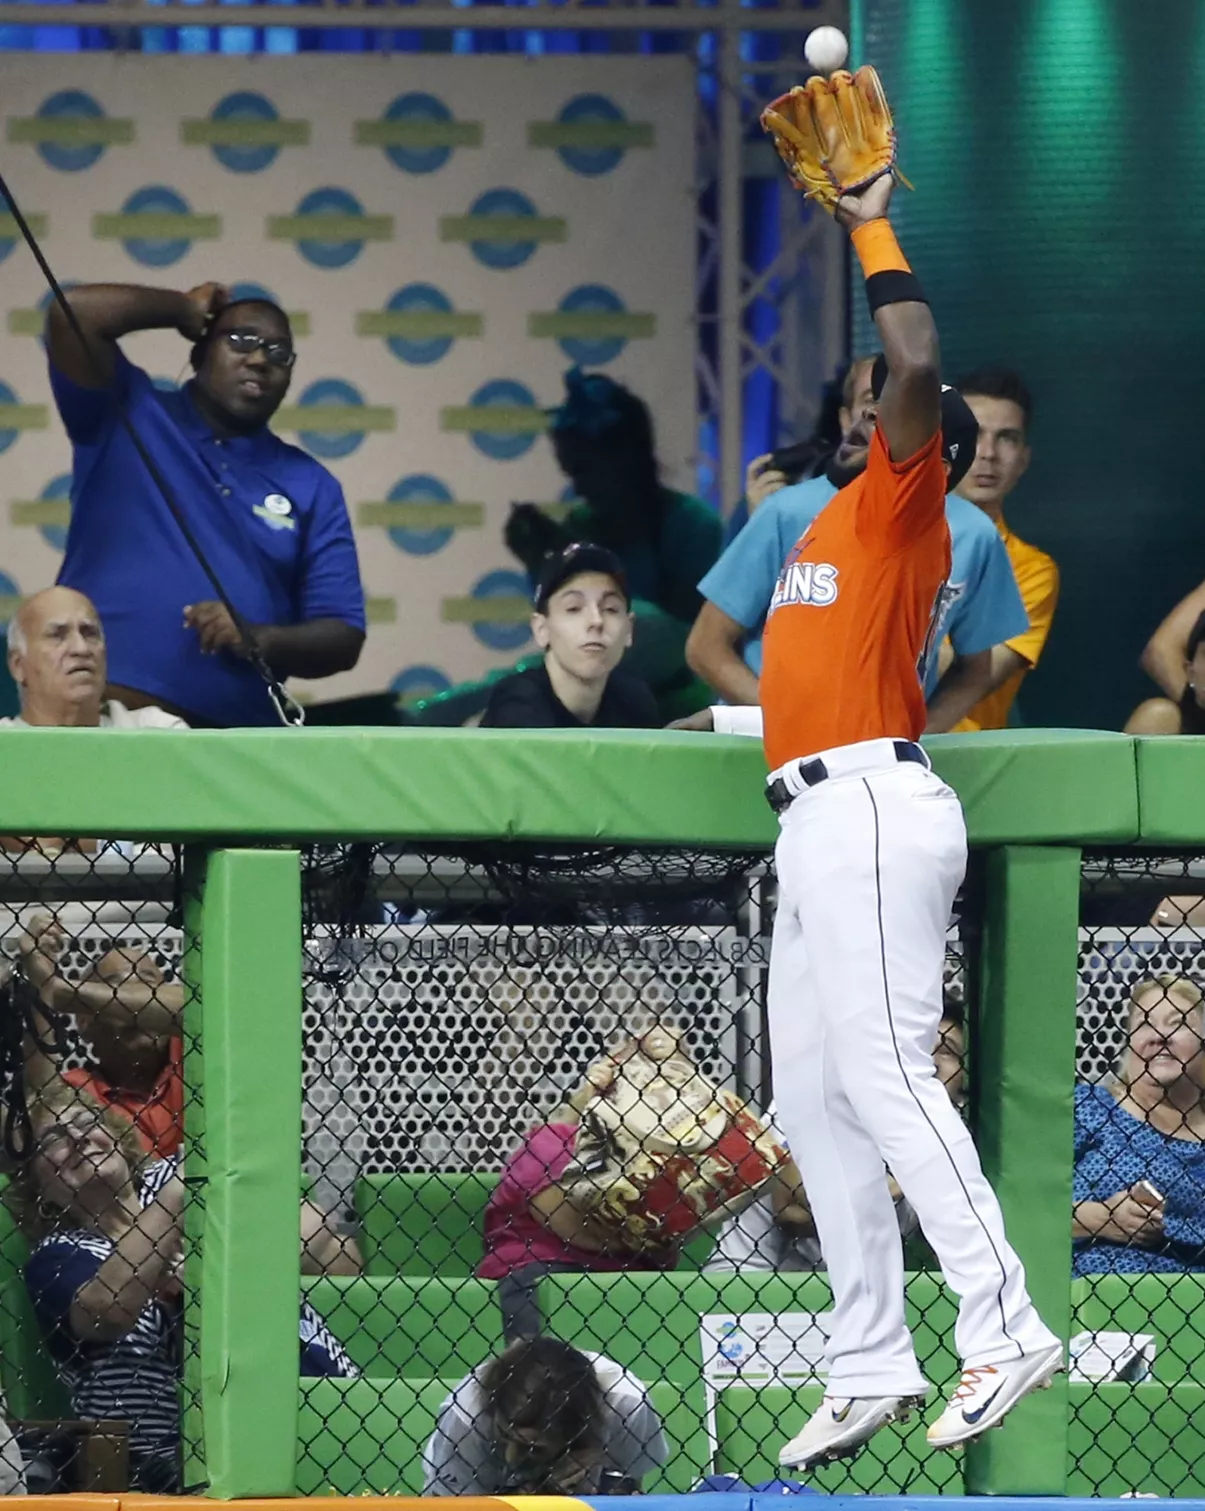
(270, 520)
(56, 654)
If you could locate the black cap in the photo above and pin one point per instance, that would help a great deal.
(581, 556)
(959, 427)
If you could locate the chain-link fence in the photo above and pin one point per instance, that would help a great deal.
(96, 1205)
(1139, 1186)
(537, 1128)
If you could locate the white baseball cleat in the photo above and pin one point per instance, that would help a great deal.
(840, 1425)
(986, 1394)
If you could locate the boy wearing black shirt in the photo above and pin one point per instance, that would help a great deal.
(583, 623)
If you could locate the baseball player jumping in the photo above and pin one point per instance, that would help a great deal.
(870, 856)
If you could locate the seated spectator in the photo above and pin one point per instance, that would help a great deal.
(105, 1225)
(980, 606)
(1003, 405)
(544, 1419)
(56, 654)
(1139, 1186)
(776, 1231)
(130, 1019)
(1183, 714)
(583, 623)
(603, 439)
(270, 519)
(532, 1227)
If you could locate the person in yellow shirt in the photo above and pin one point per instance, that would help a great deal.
(1004, 408)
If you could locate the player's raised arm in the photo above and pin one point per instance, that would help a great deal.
(909, 413)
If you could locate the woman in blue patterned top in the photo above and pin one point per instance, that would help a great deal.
(103, 1276)
(1139, 1187)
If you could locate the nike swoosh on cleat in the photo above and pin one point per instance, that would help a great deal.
(839, 1416)
(971, 1417)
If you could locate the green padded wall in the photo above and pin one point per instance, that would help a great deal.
(1051, 143)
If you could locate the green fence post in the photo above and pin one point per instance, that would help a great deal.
(251, 992)
(1025, 1059)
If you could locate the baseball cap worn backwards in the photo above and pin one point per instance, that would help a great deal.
(959, 427)
(581, 556)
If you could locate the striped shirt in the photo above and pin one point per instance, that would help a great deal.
(134, 1378)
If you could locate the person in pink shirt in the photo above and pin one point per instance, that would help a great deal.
(532, 1229)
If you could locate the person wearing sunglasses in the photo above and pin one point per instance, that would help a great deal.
(270, 520)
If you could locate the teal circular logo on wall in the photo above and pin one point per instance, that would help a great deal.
(510, 252)
(503, 443)
(10, 599)
(73, 151)
(333, 253)
(414, 683)
(157, 251)
(592, 299)
(419, 299)
(586, 110)
(419, 111)
(501, 634)
(251, 156)
(56, 491)
(420, 488)
(327, 393)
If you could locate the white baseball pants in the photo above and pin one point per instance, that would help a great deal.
(869, 862)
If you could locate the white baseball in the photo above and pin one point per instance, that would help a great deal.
(826, 48)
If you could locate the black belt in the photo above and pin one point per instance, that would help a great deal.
(812, 773)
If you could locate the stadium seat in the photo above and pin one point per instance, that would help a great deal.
(411, 1327)
(432, 1224)
(365, 1437)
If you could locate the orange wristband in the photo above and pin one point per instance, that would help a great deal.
(877, 249)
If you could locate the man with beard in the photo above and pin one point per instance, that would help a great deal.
(981, 606)
(269, 518)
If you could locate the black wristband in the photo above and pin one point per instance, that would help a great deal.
(893, 287)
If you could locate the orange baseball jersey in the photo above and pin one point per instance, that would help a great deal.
(1038, 581)
(853, 616)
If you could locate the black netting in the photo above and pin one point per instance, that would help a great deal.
(1139, 1200)
(95, 1204)
(533, 1076)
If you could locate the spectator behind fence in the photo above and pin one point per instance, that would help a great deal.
(603, 439)
(130, 1018)
(776, 1231)
(1185, 713)
(532, 1227)
(269, 518)
(56, 654)
(980, 605)
(583, 623)
(105, 1223)
(1139, 1187)
(1003, 406)
(544, 1419)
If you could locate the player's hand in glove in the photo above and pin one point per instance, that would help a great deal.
(836, 137)
(530, 534)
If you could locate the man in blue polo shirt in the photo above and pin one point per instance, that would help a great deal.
(982, 606)
(270, 519)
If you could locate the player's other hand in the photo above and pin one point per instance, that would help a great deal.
(761, 480)
(205, 302)
(703, 721)
(854, 210)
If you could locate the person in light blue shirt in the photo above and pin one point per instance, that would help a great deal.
(982, 606)
(269, 518)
